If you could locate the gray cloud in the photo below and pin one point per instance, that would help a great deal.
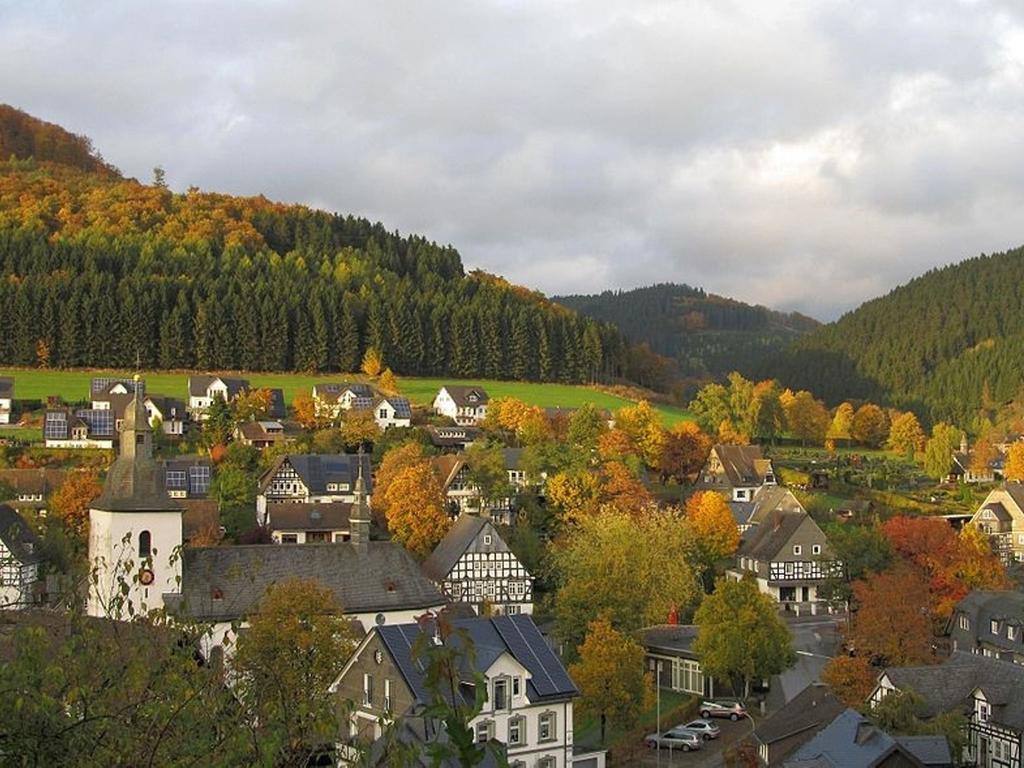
(804, 155)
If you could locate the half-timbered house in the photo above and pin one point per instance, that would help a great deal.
(736, 470)
(473, 565)
(20, 559)
(312, 478)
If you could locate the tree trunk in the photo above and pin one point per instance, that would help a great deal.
(602, 728)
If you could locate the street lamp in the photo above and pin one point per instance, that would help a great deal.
(657, 717)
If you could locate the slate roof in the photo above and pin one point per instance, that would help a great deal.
(767, 499)
(493, 636)
(513, 458)
(950, 685)
(673, 639)
(461, 393)
(6, 387)
(198, 514)
(849, 741)
(1016, 492)
(447, 553)
(21, 540)
(744, 465)
(809, 712)
(402, 406)
(198, 385)
(930, 750)
(33, 481)
(999, 511)
(1006, 608)
(332, 391)
(262, 430)
(168, 406)
(765, 541)
(317, 470)
(226, 583)
(330, 516)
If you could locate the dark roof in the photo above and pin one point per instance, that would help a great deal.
(450, 437)
(767, 499)
(402, 406)
(101, 385)
(277, 408)
(744, 465)
(930, 750)
(21, 540)
(849, 741)
(461, 394)
(1016, 492)
(317, 470)
(447, 553)
(197, 515)
(332, 516)
(948, 686)
(764, 542)
(999, 511)
(513, 458)
(261, 430)
(807, 713)
(1005, 608)
(491, 637)
(33, 481)
(674, 639)
(381, 577)
(448, 466)
(197, 385)
(6, 387)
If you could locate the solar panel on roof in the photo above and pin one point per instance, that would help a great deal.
(199, 479)
(549, 676)
(55, 426)
(100, 421)
(176, 479)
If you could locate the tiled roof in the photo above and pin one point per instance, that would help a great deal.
(767, 499)
(331, 516)
(744, 465)
(808, 713)
(765, 541)
(461, 395)
(6, 387)
(447, 553)
(226, 583)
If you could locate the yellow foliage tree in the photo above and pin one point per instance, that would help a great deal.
(359, 428)
(615, 445)
(394, 461)
(414, 509)
(72, 500)
(1014, 469)
(305, 411)
(388, 382)
(715, 531)
(574, 494)
(373, 363)
(621, 489)
(643, 426)
(906, 434)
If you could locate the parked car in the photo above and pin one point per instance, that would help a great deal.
(675, 738)
(731, 709)
(705, 728)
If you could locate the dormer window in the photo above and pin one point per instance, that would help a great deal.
(965, 623)
(501, 700)
(1011, 632)
(994, 626)
(797, 550)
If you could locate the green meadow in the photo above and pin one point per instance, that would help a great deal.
(73, 386)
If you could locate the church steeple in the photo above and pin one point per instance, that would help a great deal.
(136, 433)
(360, 517)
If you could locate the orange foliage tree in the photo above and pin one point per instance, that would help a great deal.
(683, 452)
(72, 500)
(305, 411)
(851, 679)
(621, 489)
(714, 529)
(1014, 469)
(414, 509)
(891, 623)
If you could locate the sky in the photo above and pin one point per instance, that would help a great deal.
(803, 155)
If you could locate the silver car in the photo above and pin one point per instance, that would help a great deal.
(705, 728)
(731, 709)
(675, 738)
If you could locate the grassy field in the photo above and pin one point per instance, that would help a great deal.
(73, 386)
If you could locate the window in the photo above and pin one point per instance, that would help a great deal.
(816, 549)
(501, 694)
(512, 610)
(546, 762)
(515, 686)
(994, 626)
(797, 549)
(387, 695)
(145, 544)
(382, 413)
(983, 711)
(546, 727)
(367, 690)
(289, 538)
(1011, 633)
(965, 623)
(516, 731)
(484, 731)
(487, 539)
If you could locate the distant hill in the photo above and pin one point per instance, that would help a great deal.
(949, 343)
(99, 270)
(23, 136)
(707, 335)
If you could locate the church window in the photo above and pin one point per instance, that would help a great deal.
(145, 544)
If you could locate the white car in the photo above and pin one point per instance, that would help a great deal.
(675, 738)
(705, 728)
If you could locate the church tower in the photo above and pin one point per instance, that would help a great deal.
(134, 526)
(359, 519)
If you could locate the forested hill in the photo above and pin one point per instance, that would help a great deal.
(950, 343)
(708, 335)
(22, 135)
(98, 270)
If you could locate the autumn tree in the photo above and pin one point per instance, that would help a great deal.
(938, 452)
(305, 410)
(715, 531)
(890, 623)
(905, 434)
(850, 678)
(643, 426)
(487, 471)
(621, 489)
(252, 404)
(807, 418)
(388, 382)
(842, 423)
(294, 648)
(574, 494)
(711, 407)
(862, 550)
(632, 570)
(683, 452)
(610, 677)
(219, 423)
(982, 455)
(373, 363)
(616, 445)
(359, 429)
(407, 454)
(72, 500)
(870, 425)
(1014, 469)
(414, 508)
(740, 636)
(586, 425)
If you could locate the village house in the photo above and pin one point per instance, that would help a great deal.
(135, 520)
(203, 390)
(20, 560)
(389, 411)
(473, 565)
(310, 523)
(767, 501)
(990, 624)
(32, 488)
(986, 689)
(66, 427)
(854, 741)
(330, 399)
(737, 471)
(528, 697)
(115, 395)
(789, 557)
(672, 663)
(962, 469)
(311, 478)
(452, 439)
(463, 495)
(465, 405)
(796, 723)
(188, 477)
(262, 433)
(1001, 517)
(6, 399)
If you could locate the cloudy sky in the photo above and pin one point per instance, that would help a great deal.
(803, 155)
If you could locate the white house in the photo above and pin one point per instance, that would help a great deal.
(529, 695)
(391, 411)
(6, 399)
(333, 397)
(64, 427)
(466, 405)
(203, 390)
(20, 558)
